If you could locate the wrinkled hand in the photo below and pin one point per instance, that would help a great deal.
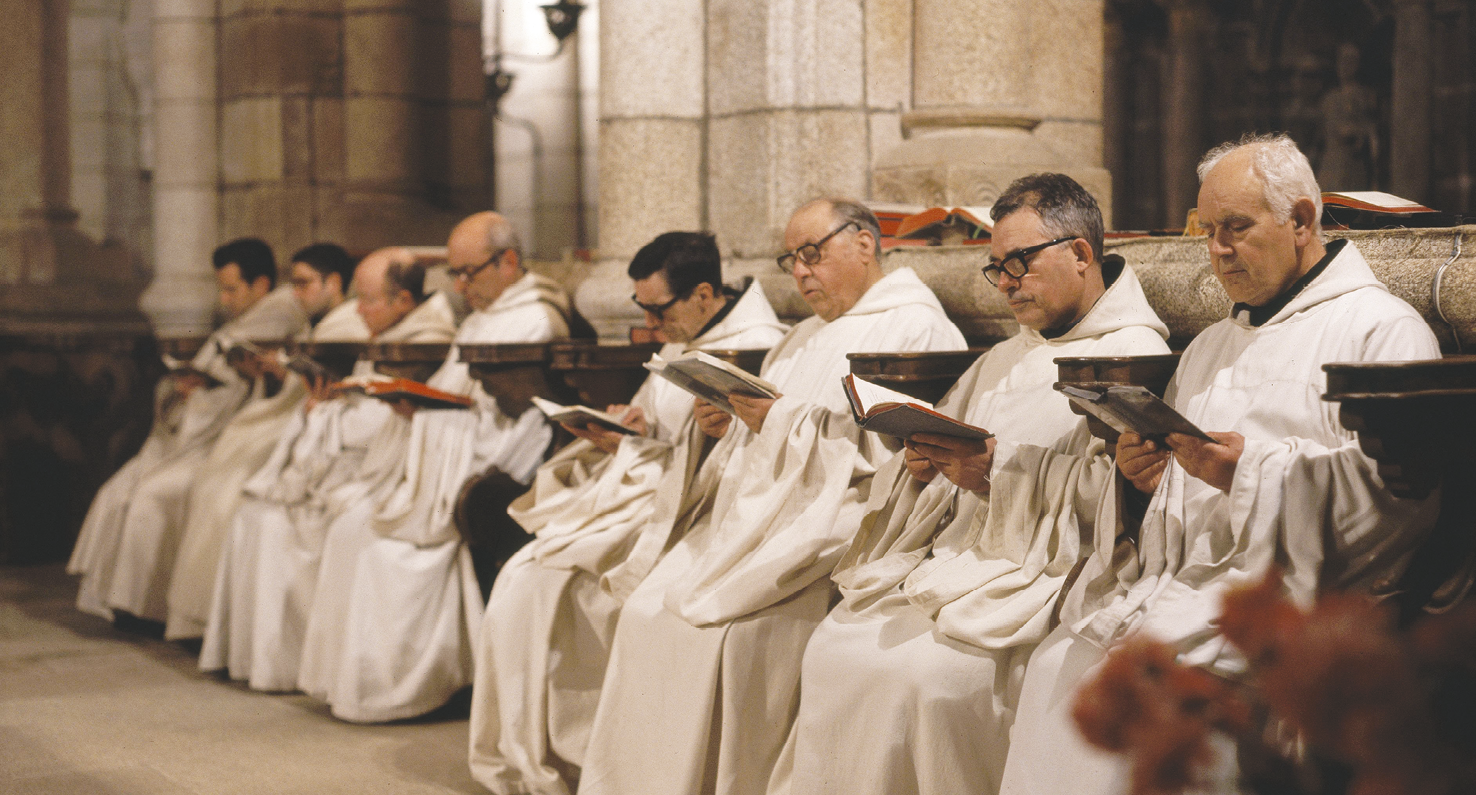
(965, 462)
(1141, 461)
(1212, 462)
(752, 410)
(319, 391)
(712, 420)
(605, 439)
(919, 465)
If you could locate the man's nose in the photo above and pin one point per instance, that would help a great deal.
(652, 321)
(1007, 283)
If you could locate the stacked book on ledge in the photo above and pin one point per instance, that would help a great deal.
(916, 225)
(1371, 209)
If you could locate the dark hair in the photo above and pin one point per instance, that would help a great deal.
(851, 211)
(686, 258)
(252, 255)
(326, 259)
(407, 275)
(1064, 206)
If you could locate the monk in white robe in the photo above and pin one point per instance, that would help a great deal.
(909, 685)
(391, 625)
(1286, 485)
(127, 545)
(546, 634)
(268, 570)
(703, 677)
(320, 275)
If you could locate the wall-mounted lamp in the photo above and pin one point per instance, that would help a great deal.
(563, 20)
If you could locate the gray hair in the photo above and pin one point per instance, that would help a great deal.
(849, 211)
(503, 236)
(1283, 170)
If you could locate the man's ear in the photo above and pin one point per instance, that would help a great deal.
(1304, 217)
(865, 240)
(261, 284)
(335, 282)
(1082, 250)
(703, 291)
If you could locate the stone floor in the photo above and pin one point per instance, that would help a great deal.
(86, 708)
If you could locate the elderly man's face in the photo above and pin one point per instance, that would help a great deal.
(834, 284)
(380, 309)
(1053, 292)
(1254, 255)
(236, 294)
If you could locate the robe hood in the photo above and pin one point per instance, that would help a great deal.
(1122, 305)
(1346, 272)
(431, 321)
(752, 311)
(899, 288)
(341, 324)
(531, 289)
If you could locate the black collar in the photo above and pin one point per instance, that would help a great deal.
(1258, 315)
(732, 295)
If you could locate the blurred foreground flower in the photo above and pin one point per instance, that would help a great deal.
(1394, 712)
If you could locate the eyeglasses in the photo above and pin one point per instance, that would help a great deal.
(1015, 263)
(470, 272)
(656, 310)
(809, 253)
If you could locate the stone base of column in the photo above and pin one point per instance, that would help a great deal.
(970, 161)
(55, 279)
(363, 221)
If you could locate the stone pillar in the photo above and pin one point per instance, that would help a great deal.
(186, 175)
(651, 150)
(35, 165)
(1409, 151)
(1183, 106)
(1000, 89)
(53, 278)
(538, 132)
(280, 77)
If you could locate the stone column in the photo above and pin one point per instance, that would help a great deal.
(538, 134)
(186, 175)
(1409, 150)
(651, 149)
(1183, 106)
(1000, 89)
(35, 165)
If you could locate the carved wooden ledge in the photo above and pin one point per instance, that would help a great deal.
(1418, 421)
(1151, 372)
(337, 358)
(601, 375)
(925, 375)
(514, 374)
(413, 360)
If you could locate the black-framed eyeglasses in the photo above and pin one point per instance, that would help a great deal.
(470, 272)
(809, 253)
(657, 310)
(1015, 263)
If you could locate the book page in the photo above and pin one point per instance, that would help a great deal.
(872, 394)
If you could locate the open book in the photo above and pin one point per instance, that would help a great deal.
(891, 413)
(392, 389)
(1131, 409)
(580, 416)
(711, 378)
(1371, 209)
(947, 225)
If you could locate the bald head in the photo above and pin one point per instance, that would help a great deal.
(390, 284)
(484, 258)
(834, 248)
